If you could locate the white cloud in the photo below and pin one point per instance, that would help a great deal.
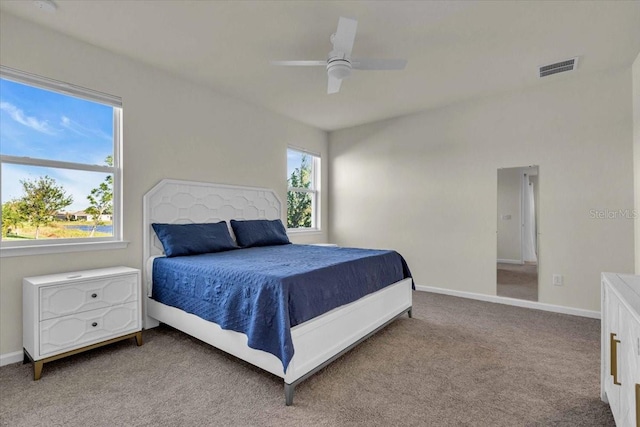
(18, 115)
(77, 128)
(67, 123)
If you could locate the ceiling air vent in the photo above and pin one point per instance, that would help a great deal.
(559, 67)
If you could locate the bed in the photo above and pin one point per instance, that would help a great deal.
(310, 340)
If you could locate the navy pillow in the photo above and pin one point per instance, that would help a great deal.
(259, 232)
(193, 239)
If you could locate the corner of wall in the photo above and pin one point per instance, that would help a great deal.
(635, 80)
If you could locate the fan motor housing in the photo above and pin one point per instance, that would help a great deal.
(339, 68)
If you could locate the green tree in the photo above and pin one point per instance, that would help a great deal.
(101, 199)
(299, 202)
(12, 217)
(42, 199)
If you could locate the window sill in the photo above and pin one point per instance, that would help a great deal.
(304, 231)
(61, 248)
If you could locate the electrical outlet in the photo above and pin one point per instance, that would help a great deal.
(557, 280)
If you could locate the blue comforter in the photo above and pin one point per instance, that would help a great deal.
(264, 291)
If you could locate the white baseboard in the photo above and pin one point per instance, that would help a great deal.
(510, 261)
(9, 358)
(513, 301)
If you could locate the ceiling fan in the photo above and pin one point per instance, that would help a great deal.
(339, 63)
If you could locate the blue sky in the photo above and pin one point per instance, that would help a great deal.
(294, 160)
(47, 125)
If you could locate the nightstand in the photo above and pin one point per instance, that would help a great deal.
(68, 313)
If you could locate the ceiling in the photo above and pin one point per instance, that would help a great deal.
(456, 50)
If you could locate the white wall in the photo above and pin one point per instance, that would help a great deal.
(509, 204)
(425, 184)
(636, 153)
(172, 129)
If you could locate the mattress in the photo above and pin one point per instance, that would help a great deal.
(263, 292)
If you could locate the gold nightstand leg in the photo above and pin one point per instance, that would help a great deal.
(37, 365)
(37, 370)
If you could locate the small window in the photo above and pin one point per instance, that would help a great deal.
(60, 163)
(303, 179)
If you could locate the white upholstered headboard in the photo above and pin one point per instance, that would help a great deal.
(182, 202)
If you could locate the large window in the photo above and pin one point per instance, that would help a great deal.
(60, 168)
(303, 179)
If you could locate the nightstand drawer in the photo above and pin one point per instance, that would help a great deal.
(80, 296)
(81, 329)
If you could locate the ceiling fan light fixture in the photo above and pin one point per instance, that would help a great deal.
(339, 61)
(339, 69)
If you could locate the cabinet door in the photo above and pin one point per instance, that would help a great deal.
(629, 367)
(611, 326)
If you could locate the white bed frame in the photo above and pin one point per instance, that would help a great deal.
(316, 342)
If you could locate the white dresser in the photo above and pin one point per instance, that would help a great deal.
(620, 359)
(68, 313)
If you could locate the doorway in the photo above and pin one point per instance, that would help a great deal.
(517, 261)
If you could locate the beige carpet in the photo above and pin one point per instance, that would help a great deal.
(518, 281)
(457, 362)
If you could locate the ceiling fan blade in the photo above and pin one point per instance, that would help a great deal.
(378, 64)
(345, 35)
(300, 63)
(334, 85)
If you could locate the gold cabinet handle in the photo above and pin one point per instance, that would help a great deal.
(637, 405)
(613, 344)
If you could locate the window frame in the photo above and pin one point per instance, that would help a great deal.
(44, 246)
(314, 191)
